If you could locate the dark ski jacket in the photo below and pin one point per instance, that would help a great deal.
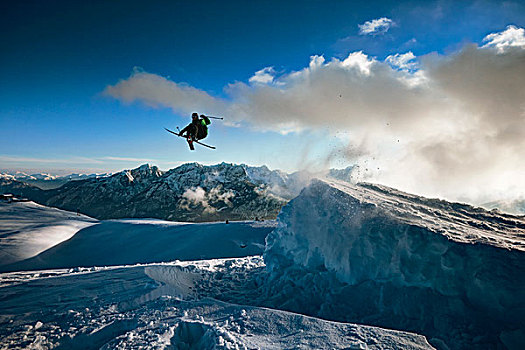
(198, 128)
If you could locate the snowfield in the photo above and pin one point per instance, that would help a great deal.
(344, 267)
(124, 242)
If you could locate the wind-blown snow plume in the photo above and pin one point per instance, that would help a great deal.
(369, 253)
(439, 125)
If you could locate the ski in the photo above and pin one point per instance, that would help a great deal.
(194, 141)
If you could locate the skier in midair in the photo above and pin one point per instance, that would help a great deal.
(197, 129)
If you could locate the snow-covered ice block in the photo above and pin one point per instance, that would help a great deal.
(372, 254)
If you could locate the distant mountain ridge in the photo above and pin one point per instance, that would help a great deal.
(190, 192)
(47, 181)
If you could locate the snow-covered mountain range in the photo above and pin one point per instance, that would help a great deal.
(191, 192)
(21, 176)
(47, 181)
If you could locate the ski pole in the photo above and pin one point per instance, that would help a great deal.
(221, 118)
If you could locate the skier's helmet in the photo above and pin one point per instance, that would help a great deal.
(194, 115)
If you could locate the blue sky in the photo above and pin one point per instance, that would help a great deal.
(59, 58)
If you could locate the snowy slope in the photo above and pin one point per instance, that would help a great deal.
(122, 242)
(27, 229)
(375, 255)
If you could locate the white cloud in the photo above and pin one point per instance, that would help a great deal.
(510, 37)
(358, 60)
(375, 26)
(196, 196)
(405, 61)
(453, 126)
(157, 91)
(130, 159)
(316, 61)
(199, 196)
(263, 76)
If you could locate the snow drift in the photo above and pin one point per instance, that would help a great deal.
(374, 255)
(120, 242)
(28, 229)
